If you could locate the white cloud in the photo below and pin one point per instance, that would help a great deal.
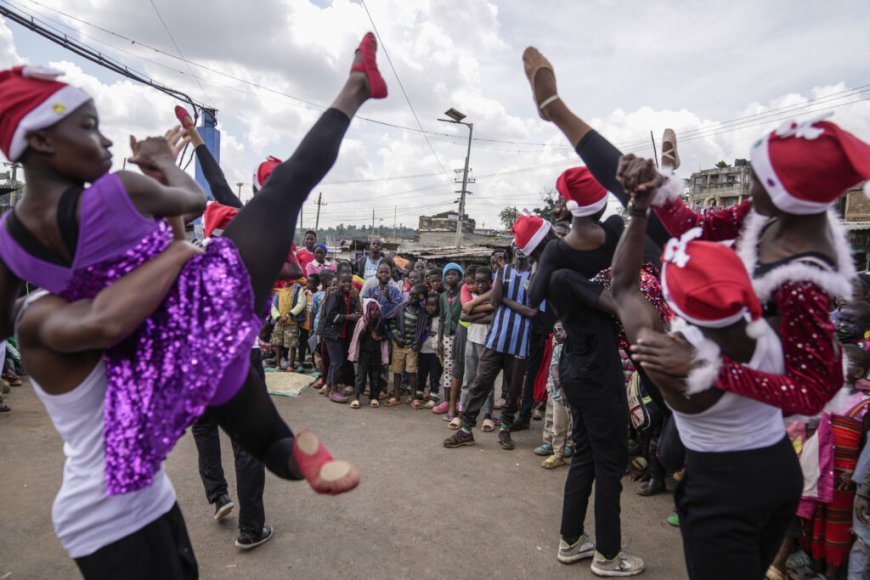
(627, 70)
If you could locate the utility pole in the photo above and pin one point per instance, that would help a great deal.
(456, 118)
(320, 204)
(373, 223)
(395, 211)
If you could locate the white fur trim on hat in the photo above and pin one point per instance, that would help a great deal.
(703, 376)
(669, 190)
(779, 195)
(536, 238)
(837, 283)
(867, 188)
(578, 210)
(52, 110)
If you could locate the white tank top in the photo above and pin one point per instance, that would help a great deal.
(85, 518)
(737, 423)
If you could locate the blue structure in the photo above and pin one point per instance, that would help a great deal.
(212, 136)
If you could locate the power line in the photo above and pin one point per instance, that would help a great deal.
(178, 49)
(402, 86)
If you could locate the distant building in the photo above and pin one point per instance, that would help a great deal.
(855, 209)
(445, 222)
(720, 186)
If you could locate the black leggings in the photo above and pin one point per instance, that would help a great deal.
(262, 232)
(217, 182)
(602, 159)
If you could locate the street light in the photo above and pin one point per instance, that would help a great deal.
(457, 119)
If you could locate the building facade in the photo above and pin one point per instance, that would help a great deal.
(720, 186)
(446, 222)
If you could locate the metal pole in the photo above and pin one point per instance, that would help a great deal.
(464, 187)
(319, 204)
(655, 153)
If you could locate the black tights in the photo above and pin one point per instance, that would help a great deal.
(263, 231)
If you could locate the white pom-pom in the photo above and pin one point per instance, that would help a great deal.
(756, 328)
(703, 376)
(867, 188)
(572, 205)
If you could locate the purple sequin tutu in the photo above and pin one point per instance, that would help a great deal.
(162, 377)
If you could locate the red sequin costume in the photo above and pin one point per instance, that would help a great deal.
(800, 291)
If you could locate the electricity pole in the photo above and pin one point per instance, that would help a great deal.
(319, 203)
(456, 118)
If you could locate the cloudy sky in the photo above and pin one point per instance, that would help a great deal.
(719, 73)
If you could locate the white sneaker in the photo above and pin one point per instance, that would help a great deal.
(582, 548)
(621, 565)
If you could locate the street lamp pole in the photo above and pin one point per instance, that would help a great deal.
(456, 118)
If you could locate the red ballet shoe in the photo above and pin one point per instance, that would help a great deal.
(369, 65)
(323, 473)
(183, 117)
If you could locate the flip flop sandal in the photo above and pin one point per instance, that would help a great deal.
(533, 63)
(338, 398)
(488, 425)
(455, 424)
(417, 404)
(670, 138)
(354, 404)
(369, 65)
(392, 402)
(430, 404)
(448, 417)
(374, 404)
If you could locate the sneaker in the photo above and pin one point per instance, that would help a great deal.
(544, 450)
(537, 414)
(222, 507)
(504, 439)
(674, 520)
(579, 550)
(459, 439)
(283, 364)
(621, 565)
(248, 542)
(521, 425)
(569, 451)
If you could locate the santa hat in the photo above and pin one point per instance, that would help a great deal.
(805, 167)
(216, 218)
(31, 99)
(585, 196)
(706, 284)
(264, 170)
(529, 231)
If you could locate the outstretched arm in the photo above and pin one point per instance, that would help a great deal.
(113, 314)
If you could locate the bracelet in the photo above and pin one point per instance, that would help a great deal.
(638, 211)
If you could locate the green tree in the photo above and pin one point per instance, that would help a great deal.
(722, 165)
(508, 216)
(549, 197)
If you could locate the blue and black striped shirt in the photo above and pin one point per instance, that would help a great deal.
(509, 331)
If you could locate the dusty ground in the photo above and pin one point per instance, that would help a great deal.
(422, 511)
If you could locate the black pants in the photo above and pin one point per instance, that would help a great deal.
(600, 411)
(735, 508)
(162, 549)
(262, 232)
(337, 349)
(303, 345)
(537, 342)
(428, 371)
(369, 367)
(250, 473)
(488, 367)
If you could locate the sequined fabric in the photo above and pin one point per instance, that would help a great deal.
(650, 287)
(161, 378)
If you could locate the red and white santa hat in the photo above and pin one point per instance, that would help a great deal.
(31, 99)
(529, 231)
(264, 170)
(805, 167)
(707, 285)
(585, 196)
